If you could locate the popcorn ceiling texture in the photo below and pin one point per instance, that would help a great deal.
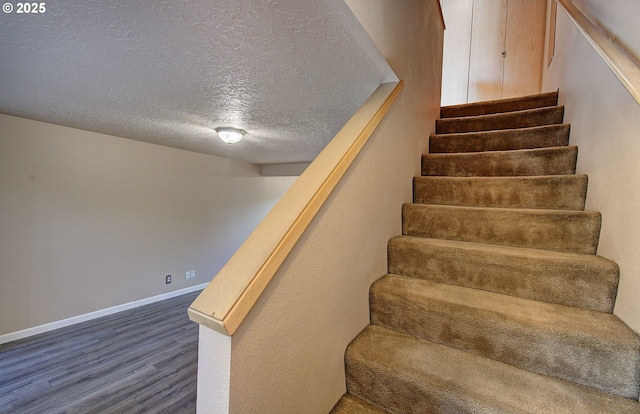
(290, 73)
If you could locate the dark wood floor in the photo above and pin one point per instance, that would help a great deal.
(139, 361)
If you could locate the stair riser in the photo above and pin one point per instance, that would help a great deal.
(539, 229)
(504, 140)
(520, 119)
(557, 192)
(549, 161)
(504, 105)
(350, 404)
(387, 388)
(574, 357)
(585, 282)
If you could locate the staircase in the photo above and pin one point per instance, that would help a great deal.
(496, 301)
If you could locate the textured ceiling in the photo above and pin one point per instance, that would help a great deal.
(289, 72)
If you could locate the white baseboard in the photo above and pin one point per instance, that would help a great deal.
(14, 336)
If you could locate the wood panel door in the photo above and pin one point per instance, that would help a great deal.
(524, 47)
(492, 49)
(486, 61)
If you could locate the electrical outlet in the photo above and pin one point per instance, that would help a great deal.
(187, 274)
(167, 279)
(193, 273)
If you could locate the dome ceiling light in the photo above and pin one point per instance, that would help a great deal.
(230, 135)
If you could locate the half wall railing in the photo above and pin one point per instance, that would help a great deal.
(225, 302)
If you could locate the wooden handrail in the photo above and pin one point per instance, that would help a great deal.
(225, 302)
(613, 55)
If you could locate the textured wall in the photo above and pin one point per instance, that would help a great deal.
(288, 356)
(90, 221)
(605, 121)
(290, 73)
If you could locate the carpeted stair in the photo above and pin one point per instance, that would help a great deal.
(496, 301)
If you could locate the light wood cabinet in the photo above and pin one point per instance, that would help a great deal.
(492, 49)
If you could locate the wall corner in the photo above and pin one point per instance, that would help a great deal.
(214, 372)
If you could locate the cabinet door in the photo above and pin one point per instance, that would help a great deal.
(478, 32)
(486, 61)
(457, 45)
(524, 48)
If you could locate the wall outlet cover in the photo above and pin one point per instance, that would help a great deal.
(167, 279)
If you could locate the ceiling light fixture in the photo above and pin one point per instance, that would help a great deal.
(230, 135)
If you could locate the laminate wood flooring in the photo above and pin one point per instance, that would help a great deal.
(143, 360)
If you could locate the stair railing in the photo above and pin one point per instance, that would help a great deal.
(224, 303)
(609, 50)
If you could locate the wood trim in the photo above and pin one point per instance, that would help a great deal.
(613, 55)
(550, 44)
(223, 305)
(444, 24)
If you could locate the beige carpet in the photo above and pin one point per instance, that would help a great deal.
(496, 301)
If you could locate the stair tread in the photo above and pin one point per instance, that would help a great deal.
(491, 154)
(505, 120)
(536, 211)
(485, 248)
(350, 404)
(572, 279)
(416, 376)
(523, 162)
(566, 192)
(543, 337)
(499, 140)
(472, 118)
(560, 230)
(503, 132)
(546, 316)
(500, 105)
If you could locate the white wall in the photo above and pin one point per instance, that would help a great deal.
(605, 124)
(90, 221)
(288, 355)
(619, 18)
